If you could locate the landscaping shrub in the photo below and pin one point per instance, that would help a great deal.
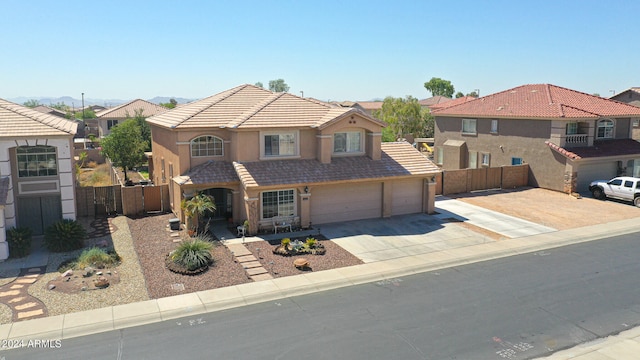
(97, 258)
(64, 235)
(19, 240)
(193, 254)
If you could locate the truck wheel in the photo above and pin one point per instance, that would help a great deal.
(598, 193)
(636, 201)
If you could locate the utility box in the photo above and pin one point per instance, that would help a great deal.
(174, 224)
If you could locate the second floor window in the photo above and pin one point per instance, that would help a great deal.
(347, 142)
(494, 126)
(469, 126)
(36, 161)
(572, 128)
(280, 144)
(111, 123)
(206, 146)
(605, 129)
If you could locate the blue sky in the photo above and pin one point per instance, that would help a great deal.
(331, 50)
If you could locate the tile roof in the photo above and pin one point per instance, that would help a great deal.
(434, 100)
(617, 147)
(129, 110)
(49, 110)
(4, 190)
(371, 105)
(18, 120)
(251, 107)
(452, 102)
(209, 172)
(398, 160)
(540, 101)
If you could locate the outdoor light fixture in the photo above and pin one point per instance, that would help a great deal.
(306, 189)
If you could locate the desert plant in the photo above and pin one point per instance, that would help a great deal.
(64, 235)
(311, 242)
(193, 254)
(19, 239)
(285, 242)
(197, 206)
(97, 258)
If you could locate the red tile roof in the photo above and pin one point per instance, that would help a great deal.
(617, 147)
(544, 101)
(434, 100)
(451, 103)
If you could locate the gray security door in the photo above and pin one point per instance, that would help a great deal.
(37, 213)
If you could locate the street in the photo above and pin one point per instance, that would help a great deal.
(518, 307)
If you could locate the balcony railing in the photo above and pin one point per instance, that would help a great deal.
(576, 140)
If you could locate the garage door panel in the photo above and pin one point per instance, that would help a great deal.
(591, 172)
(346, 202)
(407, 197)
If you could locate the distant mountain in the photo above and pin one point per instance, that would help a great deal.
(77, 103)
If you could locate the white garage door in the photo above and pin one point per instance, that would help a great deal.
(591, 172)
(407, 197)
(346, 202)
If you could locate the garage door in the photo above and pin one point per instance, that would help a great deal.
(591, 172)
(334, 203)
(407, 197)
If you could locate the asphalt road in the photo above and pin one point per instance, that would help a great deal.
(519, 307)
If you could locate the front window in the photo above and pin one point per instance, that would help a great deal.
(485, 159)
(347, 142)
(280, 144)
(278, 203)
(111, 123)
(36, 161)
(206, 146)
(572, 128)
(494, 126)
(473, 159)
(469, 126)
(605, 129)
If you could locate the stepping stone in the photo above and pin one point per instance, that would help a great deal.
(177, 240)
(238, 250)
(262, 277)
(26, 306)
(15, 300)
(31, 275)
(251, 264)
(26, 314)
(26, 281)
(246, 258)
(9, 293)
(174, 234)
(256, 271)
(17, 286)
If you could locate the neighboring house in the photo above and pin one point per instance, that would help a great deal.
(451, 102)
(632, 97)
(37, 182)
(265, 155)
(109, 118)
(370, 107)
(434, 100)
(51, 111)
(568, 138)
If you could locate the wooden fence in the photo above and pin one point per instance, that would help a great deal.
(465, 180)
(125, 200)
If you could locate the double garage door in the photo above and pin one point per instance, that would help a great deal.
(348, 202)
(591, 172)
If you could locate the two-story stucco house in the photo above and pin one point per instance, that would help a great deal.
(37, 183)
(567, 137)
(264, 155)
(108, 118)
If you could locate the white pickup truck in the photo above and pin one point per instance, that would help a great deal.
(623, 188)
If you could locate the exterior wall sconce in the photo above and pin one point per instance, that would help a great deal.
(306, 189)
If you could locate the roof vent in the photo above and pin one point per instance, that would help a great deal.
(534, 90)
(500, 108)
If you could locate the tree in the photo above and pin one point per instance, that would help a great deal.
(440, 87)
(278, 85)
(31, 103)
(145, 129)
(404, 116)
(125, 146)
(171, 104)
(259, 84)
(88, 114)
(459, 94)
(198, 206)
(473, 94)
(60, 106)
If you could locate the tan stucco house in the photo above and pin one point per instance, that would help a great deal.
(37, 184)
(568, 138)
(265, 155)
(631, 96)
(106, 119)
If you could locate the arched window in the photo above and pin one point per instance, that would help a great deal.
(206, 146)
(37, 161)
(605, 129)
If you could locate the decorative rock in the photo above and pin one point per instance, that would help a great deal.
(99, 273)
(88, 271)
(101, 282)
(84, 288)
(67, 273)
(51, 287)
(301, 263)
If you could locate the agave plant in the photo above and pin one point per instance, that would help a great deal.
(193, 254)
(64, 235)
(19, 239)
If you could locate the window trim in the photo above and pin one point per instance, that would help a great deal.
(346, 152)
(488, 158)
(611, 128)
(475, 126)
(296, 139)
(494, 129)
(294, 203)
(214, 138)
(47, 155)
(473, 155)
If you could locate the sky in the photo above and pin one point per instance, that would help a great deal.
(328, 50)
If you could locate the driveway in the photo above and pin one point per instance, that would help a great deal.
(550, 208)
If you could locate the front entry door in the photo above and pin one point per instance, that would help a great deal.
(37, 213)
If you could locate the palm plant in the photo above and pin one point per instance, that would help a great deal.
(197, 206)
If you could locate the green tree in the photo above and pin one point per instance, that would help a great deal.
(60, 106)
(145, 129)
(278, 85)
(171, 104)
(259, 84)
(31, 103)
(440, 87)
(473, 94)
(88, 114)
(459, 94)
(125, 146)
(404, 116)
(196, 207)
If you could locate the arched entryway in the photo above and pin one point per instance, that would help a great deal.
(223, 199)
